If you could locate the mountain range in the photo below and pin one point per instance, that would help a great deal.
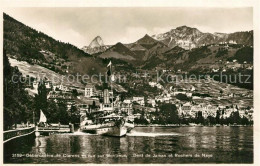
(181, 48)
(183, 36)
(151, 51)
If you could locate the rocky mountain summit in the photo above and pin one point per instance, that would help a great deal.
(96, 45)
(188, 38)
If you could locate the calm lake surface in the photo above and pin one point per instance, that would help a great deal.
(142, 145)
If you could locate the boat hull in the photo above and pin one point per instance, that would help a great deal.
(129, 126)
(108, 131)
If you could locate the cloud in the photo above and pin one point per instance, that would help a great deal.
(79, 26)
(131, 34)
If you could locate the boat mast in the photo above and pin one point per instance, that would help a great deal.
(112, 86)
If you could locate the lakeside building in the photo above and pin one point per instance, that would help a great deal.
(188, 110)
(152, 102)
(126, 107)
(128, 100)
(155, 84)
(139, 100)
(63, 88)
(185, 110)
(48, 84)
(209, 110)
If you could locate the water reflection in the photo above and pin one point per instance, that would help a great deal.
(40, 145)
(225, 144)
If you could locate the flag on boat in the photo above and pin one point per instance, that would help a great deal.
(109, 69)
(42, 117)
(109, 64)
(108, 72)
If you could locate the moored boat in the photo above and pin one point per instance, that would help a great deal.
(108, 119)
(129, 124)
(111, 125)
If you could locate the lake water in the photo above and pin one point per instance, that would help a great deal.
(142, 145)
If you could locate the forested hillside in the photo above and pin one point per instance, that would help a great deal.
(27, 44)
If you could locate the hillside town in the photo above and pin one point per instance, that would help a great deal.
(145, 96)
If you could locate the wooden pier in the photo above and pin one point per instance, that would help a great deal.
(36, 131)
(54, 129)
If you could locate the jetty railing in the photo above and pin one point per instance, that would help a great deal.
(56, 128)
(12, 134)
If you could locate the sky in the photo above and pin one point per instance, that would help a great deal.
(79, 26)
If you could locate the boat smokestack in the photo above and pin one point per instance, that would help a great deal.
(106, 96)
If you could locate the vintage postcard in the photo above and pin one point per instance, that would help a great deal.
(148, 84)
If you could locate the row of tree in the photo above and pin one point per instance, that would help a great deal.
(168, 114)
(17, 102)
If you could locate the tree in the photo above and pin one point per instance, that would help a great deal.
(75, 93)
(218, 117)
(199, 118)
(235, 118)
(168, 113)
(41, 102)
(74, 114)
(212, 120)
(244, 121)
(244, 54)
(142, 120)
(182, 97)
(221, 52)
(57, 112)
